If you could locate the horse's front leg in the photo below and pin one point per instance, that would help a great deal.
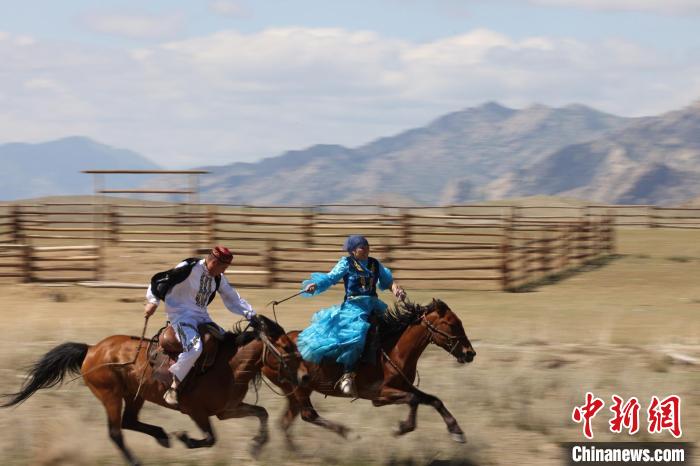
(202, 421)
(309, 414)
(413, 398)
(287, 419)
(245, 410)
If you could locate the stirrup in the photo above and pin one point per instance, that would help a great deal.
(347, 384)
(170, 397)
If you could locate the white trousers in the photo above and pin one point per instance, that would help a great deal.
(187, 335)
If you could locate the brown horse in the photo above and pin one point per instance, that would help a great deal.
(405, 332)
(218, 392)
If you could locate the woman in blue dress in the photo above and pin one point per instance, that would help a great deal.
(339, 332)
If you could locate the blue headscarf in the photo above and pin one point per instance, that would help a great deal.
(354, 241)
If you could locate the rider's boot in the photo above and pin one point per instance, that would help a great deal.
(347, 384)
(170, 395)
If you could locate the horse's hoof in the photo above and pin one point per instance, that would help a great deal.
(255, 449)
(403, 428)
(163, 441)
(182, 436)
(458, 437)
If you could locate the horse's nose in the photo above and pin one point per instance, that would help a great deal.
(471, 354)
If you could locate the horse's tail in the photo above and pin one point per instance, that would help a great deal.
(49, 371)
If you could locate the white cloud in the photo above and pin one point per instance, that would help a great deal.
(658, 6)
(230, 96)
(42, 84)
(135, 26)
(231, 8)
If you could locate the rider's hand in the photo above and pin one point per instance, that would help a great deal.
(149, 309)
(310, 288)
(399, 292)
(255, 322)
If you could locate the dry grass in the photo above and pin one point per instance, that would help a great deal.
(607, 330)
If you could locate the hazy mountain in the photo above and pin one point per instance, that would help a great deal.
(449, 160)
(654, 160)
(482, 153)
(53, 168)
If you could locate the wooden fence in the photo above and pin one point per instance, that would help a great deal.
(50, 263)
(499, 246)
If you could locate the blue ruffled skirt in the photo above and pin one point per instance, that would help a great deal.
(339, 332)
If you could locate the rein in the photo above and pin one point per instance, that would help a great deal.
(275, 303)
(269, 346)
(433, 330)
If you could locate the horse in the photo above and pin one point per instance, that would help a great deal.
(109, 373)
(405, 332)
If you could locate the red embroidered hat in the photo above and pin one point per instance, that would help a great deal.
(222, 254)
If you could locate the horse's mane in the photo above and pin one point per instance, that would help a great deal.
(242, 334)
(402, 314)
(395, 320)
(274, 329)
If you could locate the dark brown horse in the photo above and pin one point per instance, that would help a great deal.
(405, 332)
(123, 388)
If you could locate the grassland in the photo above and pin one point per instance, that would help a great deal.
(611, 329)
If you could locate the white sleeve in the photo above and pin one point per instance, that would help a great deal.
(233, 301)
(150, 297)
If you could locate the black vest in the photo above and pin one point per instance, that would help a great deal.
(162, 282)
(358, 281)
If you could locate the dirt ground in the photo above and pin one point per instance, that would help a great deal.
(623, 328)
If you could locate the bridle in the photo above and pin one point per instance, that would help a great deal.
(432, 329)
(269, 347)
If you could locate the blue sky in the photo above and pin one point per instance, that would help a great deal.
(188, 83)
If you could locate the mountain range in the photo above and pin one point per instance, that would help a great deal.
(54, 168)
(482, 153)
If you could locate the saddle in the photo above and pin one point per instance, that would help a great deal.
(165, 353)
(373, 343)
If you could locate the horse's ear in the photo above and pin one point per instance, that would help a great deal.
(436, 304)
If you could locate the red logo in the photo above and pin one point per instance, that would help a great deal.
(665, 415)
(661, 415)
(625, 416)
(587, 412)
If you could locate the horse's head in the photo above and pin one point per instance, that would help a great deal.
(446, 331)
(280, 354)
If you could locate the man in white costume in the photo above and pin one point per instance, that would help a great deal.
(187, 290)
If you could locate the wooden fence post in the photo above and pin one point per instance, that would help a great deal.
(406, 228)
(17, 233)
(545, 257)
(593, 237)
(560, 249)
(587, 239)
(388, 259)
(308, 229)
(565, 246)
(27, 263)
(505, 256)
(270, 264)
(652, 214)
(99, 265)
(211, 224)
(113, 224)
(611, 233)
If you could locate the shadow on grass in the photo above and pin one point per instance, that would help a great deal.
(554, 278)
